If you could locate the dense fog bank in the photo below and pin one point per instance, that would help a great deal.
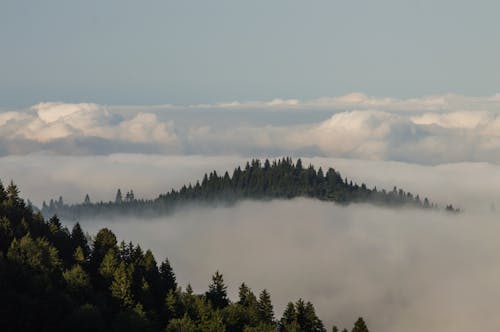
(404, 270)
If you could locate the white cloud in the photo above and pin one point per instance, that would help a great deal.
(56, 121)
(429, 130)
(357, 100)
(50, 112)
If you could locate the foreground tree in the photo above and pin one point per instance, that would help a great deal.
(51, 279)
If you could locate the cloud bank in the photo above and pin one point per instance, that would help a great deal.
(430, 130)
(403, 270)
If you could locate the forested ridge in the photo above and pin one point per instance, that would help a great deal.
(54, 279)
(279, 179)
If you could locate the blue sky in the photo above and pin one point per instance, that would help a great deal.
(185, 52)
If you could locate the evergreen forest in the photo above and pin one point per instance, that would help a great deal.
(257, 180)
(56, 279)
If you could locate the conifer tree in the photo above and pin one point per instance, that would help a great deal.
(104, 240)
(3, 193)
(265, 307)
(167, 277)
(109, 265)
(246, 296)
(77, 280)
(121, 287)
(79, 256)
(360, 326)
(217, 292)
(288, 321)
(13, 194)
(118, 197)
(78, 239)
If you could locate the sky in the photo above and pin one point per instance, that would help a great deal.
(191, 52)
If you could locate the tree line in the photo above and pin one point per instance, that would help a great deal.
(56, 279)
(279, 179)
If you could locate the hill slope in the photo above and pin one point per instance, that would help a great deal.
(53, 279)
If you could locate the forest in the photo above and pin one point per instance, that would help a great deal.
(56, 279)
(279, 179)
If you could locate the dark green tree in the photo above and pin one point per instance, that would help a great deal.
(121, 287)
(265, 307)
(78, 239)
(167, 277)
(288, 322)
(360, 326)
(246, 296)
(109, 265)
(77, 280)
(184, 324)
(104, 240)
(217, 292)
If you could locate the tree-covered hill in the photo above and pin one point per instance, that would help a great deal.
(279, 179)
(54, 279)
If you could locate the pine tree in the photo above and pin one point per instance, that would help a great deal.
(184, 324)
(289, 319)
(217, 292)
(103, 242)
(79, 256)
(265, 307)
(78, 239)
(170, 305)
(118, 197)
(3, 193)
(13, 194)
(167, 277)
(77, 280)
(360, 326)
(246, 296)
(121, 287)
(109, 265)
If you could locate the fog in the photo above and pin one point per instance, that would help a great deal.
(403, 270)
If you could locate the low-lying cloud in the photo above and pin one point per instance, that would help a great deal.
(403, 270)
(430, 130)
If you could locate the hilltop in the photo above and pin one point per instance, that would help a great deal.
(257, 180)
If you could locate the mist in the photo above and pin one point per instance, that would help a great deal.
(403, 270)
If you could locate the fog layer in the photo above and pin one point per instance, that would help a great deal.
(404, 270)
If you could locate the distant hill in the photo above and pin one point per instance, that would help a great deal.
(277, 179)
